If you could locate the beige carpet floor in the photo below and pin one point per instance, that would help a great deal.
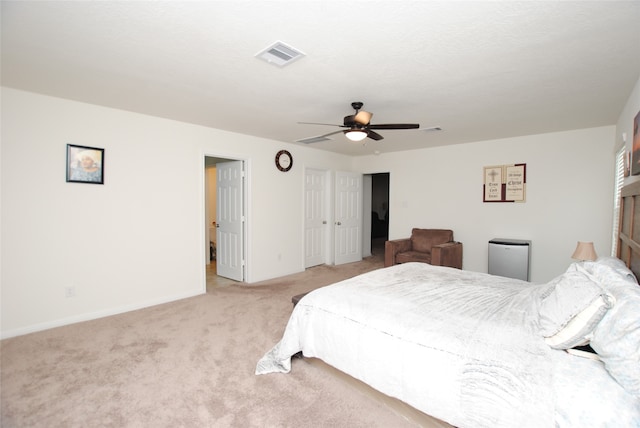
(188, 363)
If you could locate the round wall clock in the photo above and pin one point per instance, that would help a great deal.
(284, 160)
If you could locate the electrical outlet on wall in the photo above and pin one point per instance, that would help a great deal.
(70, 291)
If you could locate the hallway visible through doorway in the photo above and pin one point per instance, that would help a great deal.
(215, 281)
(225, 193)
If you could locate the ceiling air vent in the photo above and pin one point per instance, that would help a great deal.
(280, 54)
(312, 140)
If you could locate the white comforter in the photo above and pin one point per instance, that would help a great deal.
(458, 345)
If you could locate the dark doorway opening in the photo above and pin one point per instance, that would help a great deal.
(379, 206)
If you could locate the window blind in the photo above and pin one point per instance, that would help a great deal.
(618, 182)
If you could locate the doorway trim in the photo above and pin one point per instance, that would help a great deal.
(203, 221)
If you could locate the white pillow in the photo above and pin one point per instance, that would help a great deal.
(616, 338)
(605, 270)
(569, 313)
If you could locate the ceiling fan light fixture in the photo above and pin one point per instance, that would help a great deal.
(356, 135)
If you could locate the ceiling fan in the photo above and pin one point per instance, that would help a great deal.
(358, 126)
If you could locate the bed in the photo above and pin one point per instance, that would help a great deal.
(477, 350)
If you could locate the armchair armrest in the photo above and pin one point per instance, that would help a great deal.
(447, 254)
(391, 248)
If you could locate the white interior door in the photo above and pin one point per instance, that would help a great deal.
(315, 217)
(230, 220)
(348, 217)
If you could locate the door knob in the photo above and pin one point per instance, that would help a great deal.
(338, 223)
(324, 221)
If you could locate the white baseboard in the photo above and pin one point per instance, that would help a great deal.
(94, 315)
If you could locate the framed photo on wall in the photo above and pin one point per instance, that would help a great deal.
(85, 164)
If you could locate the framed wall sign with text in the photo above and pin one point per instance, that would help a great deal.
(493, 184)
(505, 183)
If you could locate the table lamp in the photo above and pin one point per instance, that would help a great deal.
(584, 251)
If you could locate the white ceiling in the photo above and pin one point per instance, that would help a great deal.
(479, 70)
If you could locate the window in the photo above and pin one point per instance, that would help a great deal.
(618, 182)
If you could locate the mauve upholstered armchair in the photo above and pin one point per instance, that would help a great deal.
(433, 246)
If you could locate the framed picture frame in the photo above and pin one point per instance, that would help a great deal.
(492, 188)
(515, 182)
(635, 146)
(85, 164)
(505, 183)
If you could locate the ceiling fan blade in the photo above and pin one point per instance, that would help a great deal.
(330, 133)
(363, 117)
(374, 135)
(394, 126)
(316, 123)
(317, 139)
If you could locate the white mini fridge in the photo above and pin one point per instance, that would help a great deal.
(510, 258)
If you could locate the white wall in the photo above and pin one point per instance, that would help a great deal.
(139, 239)
(569, 195)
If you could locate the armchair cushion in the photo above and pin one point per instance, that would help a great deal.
(413, 256)
(423, 240)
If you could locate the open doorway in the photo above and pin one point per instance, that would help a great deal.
(379, 212)
(225, 231)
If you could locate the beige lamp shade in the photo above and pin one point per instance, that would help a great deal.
(585, 251)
